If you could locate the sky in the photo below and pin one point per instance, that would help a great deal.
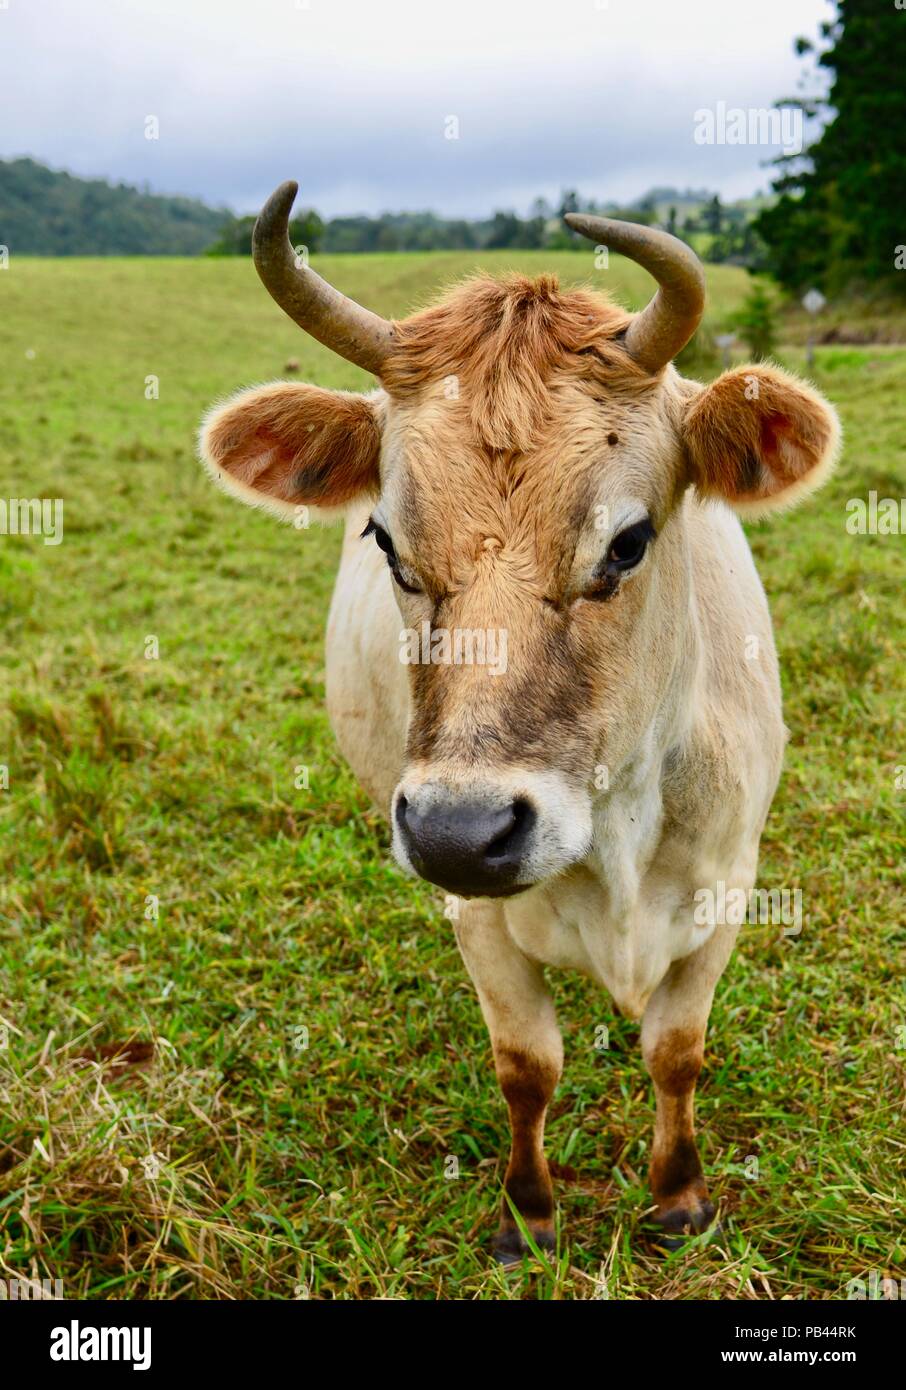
(354, 98)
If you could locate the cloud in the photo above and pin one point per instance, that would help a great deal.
(352, 97)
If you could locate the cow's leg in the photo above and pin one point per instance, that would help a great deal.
(673, 1038)
(528, 1055)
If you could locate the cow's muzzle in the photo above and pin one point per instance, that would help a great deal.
(469, 847)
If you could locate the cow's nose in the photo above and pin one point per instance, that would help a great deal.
(465, 846)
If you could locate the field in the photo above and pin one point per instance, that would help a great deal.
(166, 889)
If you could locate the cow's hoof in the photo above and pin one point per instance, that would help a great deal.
(510, 1247)
(671, 1228)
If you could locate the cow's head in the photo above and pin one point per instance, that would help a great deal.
(524, 462)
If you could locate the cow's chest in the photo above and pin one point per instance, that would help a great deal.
(621, 917)
(573, 926)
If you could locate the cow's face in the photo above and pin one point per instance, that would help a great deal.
(525, 478)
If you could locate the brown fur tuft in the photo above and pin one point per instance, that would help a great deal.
(502, 340)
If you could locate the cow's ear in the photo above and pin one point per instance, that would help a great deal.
(760, 439)
(289, 445)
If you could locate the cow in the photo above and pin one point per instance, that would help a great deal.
(532, 465)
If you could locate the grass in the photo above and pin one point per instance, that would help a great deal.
(166, 890)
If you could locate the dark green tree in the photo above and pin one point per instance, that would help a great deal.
(712, 216)
(236, 237)
(569, 202)
(506, 229)
(840, 215)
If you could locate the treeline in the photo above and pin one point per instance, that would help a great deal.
(426, 231)
(44, 212)
(48, 213)
(718, 232)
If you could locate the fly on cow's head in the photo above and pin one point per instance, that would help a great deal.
(522, 469)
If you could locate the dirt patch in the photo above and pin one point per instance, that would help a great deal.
(863, 334)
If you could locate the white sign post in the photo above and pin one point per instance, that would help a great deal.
(725, 341)
(813, 302)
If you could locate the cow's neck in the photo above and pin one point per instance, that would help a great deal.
(629, 817)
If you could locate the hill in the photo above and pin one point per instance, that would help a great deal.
(47, 212)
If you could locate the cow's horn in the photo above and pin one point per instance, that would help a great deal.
(339, 323)
(658, 333)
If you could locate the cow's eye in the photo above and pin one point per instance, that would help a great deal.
(626, 551)
(383, 542)
(628, 547)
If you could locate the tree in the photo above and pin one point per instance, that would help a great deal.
(740, 244)
(236, 237)
(506, 229)
(839, 217)
(569, 202)
(756, 321)
(712, 215)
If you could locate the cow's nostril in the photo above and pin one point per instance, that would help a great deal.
(520, 818)
(496, 847)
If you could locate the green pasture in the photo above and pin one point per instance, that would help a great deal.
(305, 1054)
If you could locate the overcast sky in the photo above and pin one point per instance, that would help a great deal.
(352, 97)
